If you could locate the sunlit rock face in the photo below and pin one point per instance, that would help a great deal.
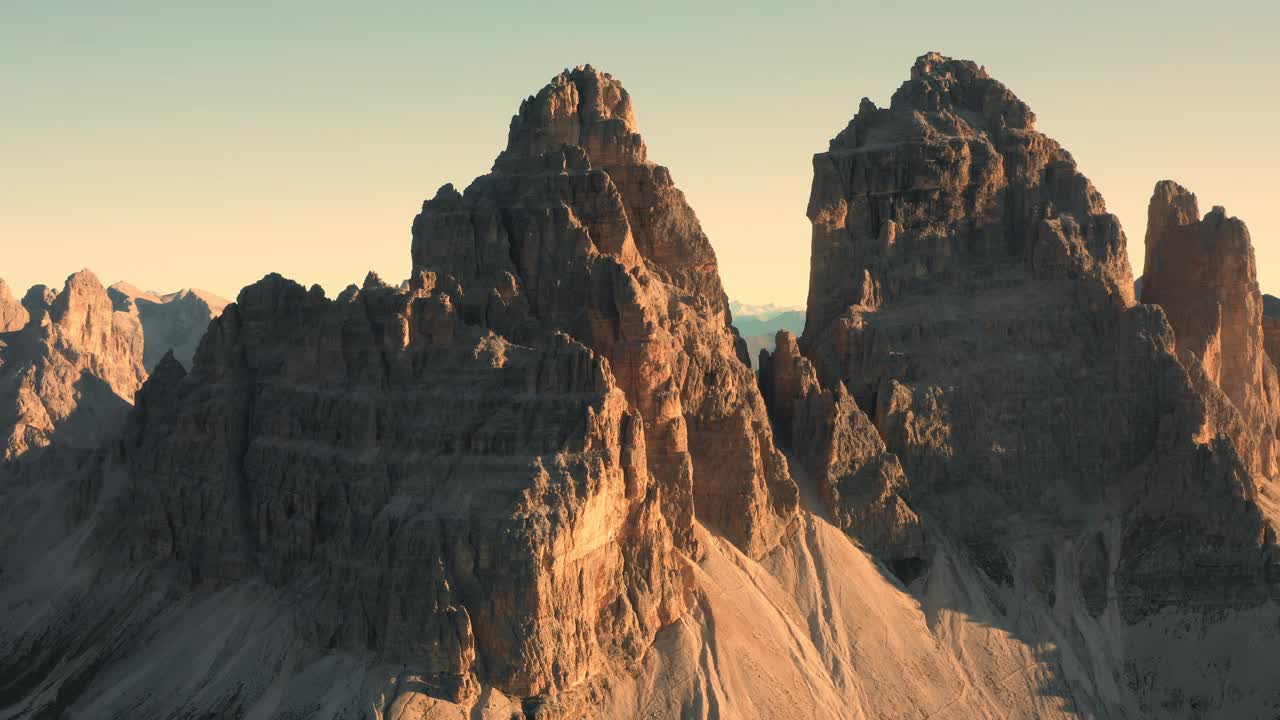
(69, 372)
(1202, 272)
(972, 295)
(453, 501)
(576, 231)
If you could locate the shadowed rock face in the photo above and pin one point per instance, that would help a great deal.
(973, 296)
(36, 301)
(1202, 272)
(70, 373)
(575, 231)
(858, 482)
(173, 322)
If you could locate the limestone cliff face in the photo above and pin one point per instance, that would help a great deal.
(983, 186)
(1203, 273)
(12, 315)
(972, 295)
(170, 322)
(576, 231)
(468, 507)
(69, 374)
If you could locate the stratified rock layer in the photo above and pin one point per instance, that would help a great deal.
(450, 500)
(1203, 273)
(70, 373)
(973, 296)
(576, 231)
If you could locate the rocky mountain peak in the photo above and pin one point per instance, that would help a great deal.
(1171, 206)
(83, 310)
(1203, 272)
(71, 373)
(967, 144)
(575, 231)
(941, 84)
(583, 107)
(973, 356)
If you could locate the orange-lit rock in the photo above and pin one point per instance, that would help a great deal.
(576, 231)
(1203, 273)
(69, 374)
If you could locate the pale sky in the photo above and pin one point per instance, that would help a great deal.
(172, 145)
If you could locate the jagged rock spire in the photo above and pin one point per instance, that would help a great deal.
(582, 107)
(1203, 273)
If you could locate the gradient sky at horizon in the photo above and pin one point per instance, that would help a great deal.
(205, 145)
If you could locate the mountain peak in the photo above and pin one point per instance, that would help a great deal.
(582, 107)
(942, 84)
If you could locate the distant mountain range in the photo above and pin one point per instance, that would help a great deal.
(761, 312)
(758, 324)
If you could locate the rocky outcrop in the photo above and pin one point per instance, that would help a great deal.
(972, 295)
(576, 231)
(453, 502)
(12, 315)
(859, 483)
(37, 301)
(170, 322)
(70, 373)
(1203, 273)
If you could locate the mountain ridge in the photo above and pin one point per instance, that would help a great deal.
(540, 480)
